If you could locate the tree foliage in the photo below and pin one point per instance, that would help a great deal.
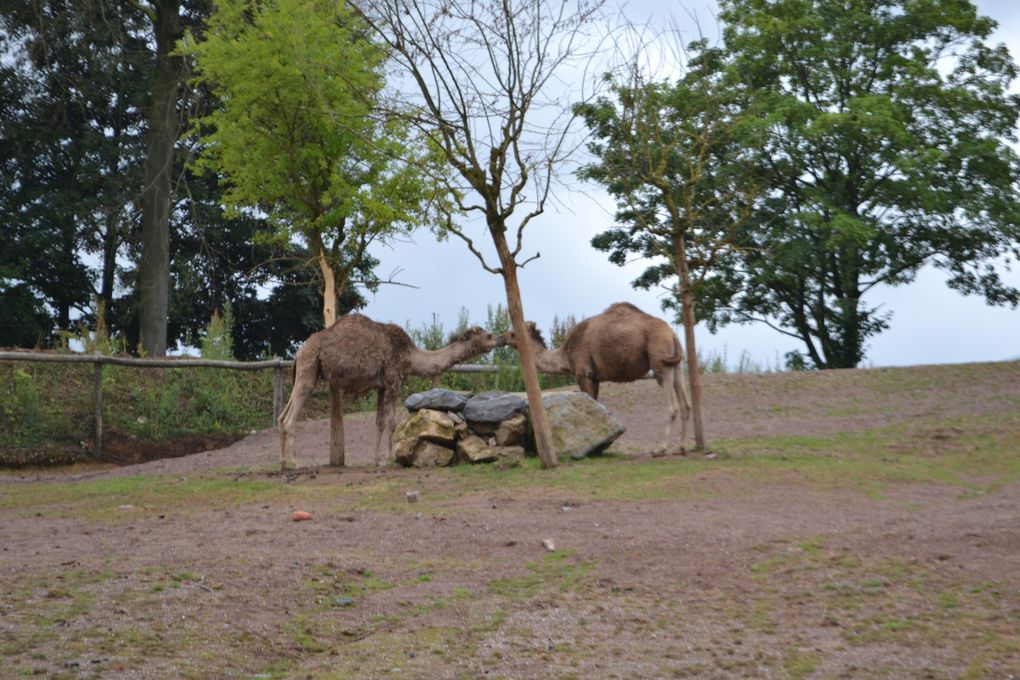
(298, 136)
(888, 126)
(71, 143)
(680, 158)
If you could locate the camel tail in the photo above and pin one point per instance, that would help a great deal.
(678, 353)
(681, 385)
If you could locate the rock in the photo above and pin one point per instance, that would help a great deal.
(426, 424)
(508, 456)
(436, 399)
(403, 450)
(430, 454)
(548, 544)
(300, 516)
(474, 449)
(412, 496)
(484, 428)
(493, 407)
(512, 430)
(580, 425)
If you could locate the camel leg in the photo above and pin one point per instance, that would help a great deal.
(336, 426)
(384, 416)
(587, 385)
(288, 419)
(672, 404)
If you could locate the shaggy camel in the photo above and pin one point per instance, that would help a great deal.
(357, 354)
(619, 345)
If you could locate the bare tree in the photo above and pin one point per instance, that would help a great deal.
(485, 77)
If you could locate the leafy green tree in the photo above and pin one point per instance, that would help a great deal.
(888, 128)
(678, 158)
(298, 139)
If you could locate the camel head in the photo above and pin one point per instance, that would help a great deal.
(536, 336)
(480, 339)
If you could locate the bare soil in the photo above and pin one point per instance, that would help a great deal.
(739, 564)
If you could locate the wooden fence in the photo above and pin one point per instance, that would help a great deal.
(100, 360)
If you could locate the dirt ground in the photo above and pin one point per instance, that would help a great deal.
(746, 563)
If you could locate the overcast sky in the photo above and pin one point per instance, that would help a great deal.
(930, 323)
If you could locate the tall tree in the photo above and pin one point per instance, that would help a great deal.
(165, 123)
(484, 73)
(888, 142)
(677, 159)
(298, 138)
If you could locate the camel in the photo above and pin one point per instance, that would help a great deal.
(619, 345)
(357, 354)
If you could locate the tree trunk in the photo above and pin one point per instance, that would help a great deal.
(536, 409)
(164, 124)
(328, 290)
(689, 319)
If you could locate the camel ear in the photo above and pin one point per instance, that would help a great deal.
(532, 325)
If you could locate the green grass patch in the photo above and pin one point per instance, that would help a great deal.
(604, 477)
(559, 571)
(139, 496)
(979, 456)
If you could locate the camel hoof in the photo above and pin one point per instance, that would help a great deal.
(658, 453)
(285, 465)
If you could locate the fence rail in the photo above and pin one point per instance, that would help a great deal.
(99, 360)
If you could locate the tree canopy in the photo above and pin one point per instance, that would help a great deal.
(299, 136)
(887, 127)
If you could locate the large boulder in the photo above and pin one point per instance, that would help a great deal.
(580, 425)
(436, 399)
(493, 407)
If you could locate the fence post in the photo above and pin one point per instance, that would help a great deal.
(97, 403)
(277, 392)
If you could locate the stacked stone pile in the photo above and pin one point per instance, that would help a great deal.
(445, 428)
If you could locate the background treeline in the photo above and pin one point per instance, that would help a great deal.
(821, 151)
(79, 82)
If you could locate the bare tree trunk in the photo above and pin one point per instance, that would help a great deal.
(164, 123)
(693, 374)
(536, 408)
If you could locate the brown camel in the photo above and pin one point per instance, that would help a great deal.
(355, 355)
(619, 345)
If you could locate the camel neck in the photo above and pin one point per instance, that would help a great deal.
(433, 362)
(550, 360)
